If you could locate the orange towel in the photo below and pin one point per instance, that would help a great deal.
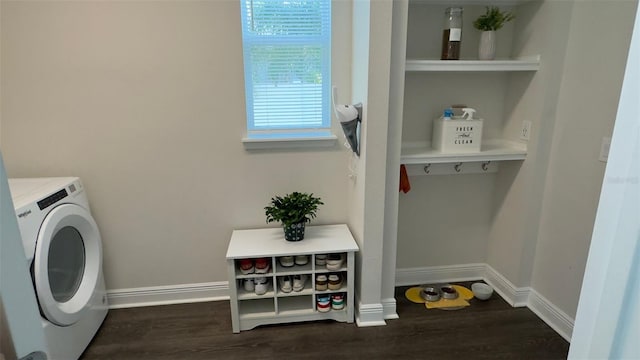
(405, 186)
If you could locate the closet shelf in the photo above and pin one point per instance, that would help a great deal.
(492, 150)
(471, 2)
(523, 64)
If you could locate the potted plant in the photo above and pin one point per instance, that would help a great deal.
(492, 20)
(293, 211)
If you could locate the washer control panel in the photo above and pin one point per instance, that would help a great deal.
(52, 199)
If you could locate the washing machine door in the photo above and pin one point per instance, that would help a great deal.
(67, 263)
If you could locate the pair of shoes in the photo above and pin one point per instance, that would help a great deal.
(337, 301)
(289, 261)
(295, 283)
(261, 285)
(321, 259)
(323, 303)
(332, 282)
(261, 266)
(334, 261)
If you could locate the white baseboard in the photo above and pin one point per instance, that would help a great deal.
(515, 296)
(549, 313)
(369, 315)
(166, 295)
(389, 309)
(437, 274)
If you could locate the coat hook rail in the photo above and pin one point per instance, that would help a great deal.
(452, 168)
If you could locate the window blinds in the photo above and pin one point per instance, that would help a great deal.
(287, 54)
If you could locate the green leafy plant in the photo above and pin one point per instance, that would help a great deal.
(292, 208)
(493, 19)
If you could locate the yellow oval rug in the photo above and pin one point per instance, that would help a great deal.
(413, 295)
(463, 291)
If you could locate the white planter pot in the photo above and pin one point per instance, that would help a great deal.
(487, 47)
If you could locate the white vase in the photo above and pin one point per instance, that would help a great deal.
(487, 47)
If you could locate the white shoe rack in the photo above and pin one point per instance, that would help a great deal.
(249, 309)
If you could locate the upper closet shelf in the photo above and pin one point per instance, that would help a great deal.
(471, 2)
(523, 64)
(492, 150)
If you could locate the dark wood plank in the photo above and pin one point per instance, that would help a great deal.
(489, 329)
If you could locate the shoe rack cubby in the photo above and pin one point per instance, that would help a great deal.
(250, 309)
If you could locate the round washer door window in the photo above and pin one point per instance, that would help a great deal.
(67, 263)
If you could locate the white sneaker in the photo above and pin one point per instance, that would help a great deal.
(334, 261)
(249, 285)
(261, 285)
(298, 282)
(321, 282)
(321, 259)
(286, 261)
(337, 302)
(262, 266)
(335, 281)
(285, 284)
(302, 260)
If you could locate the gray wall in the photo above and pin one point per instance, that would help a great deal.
(145, 102)
(587, 107)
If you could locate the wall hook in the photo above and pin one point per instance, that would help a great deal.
(485, 165)
(458, 167)
(427, 168)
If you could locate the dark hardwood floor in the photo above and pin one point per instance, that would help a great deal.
(485, 330)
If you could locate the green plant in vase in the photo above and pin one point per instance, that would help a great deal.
(492, 20)
(293, 211)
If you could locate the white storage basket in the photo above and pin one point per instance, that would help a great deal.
(457, 135)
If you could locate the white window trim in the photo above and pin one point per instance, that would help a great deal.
(317, 141)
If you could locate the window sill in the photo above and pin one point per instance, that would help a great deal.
(288, 141)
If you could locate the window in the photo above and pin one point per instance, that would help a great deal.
(287, 67)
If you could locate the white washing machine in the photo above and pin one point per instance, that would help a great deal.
(64, 253)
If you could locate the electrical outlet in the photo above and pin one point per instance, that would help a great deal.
(525, 132)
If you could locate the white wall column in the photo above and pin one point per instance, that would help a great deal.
(371, 74)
